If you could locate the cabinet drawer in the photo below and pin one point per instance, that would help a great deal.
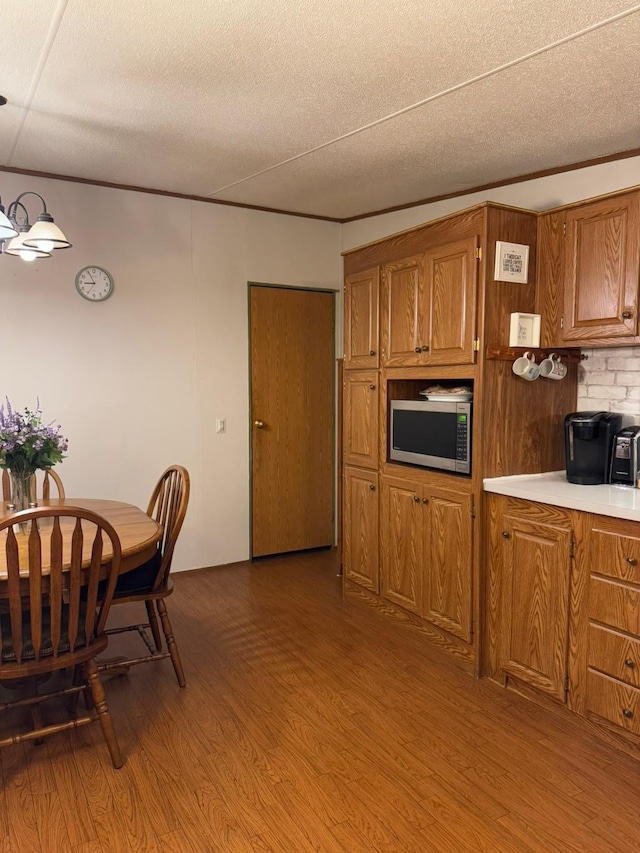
(614, 555)
(613, 700)
(615, 604)
(614, 654)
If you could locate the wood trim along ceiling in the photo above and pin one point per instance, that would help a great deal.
(621, 155)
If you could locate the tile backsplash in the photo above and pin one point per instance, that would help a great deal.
(609, 381)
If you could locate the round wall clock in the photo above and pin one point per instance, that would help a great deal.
(94, 283)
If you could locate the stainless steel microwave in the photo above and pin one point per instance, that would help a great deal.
(432, 434)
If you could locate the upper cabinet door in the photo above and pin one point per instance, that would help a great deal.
(601, 269)
(361, 319)
(451, 276)
(405, 320)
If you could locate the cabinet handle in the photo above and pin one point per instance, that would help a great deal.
(425, 500)
(373, 387)
(372, 487)
(506, 534)
(425, 349)
(418, 349)
(630, 663)
(627, 315)
(627, 713)
(416, 499)
(372, 352)
(631, 560)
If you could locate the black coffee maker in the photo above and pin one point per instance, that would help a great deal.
(588, 443)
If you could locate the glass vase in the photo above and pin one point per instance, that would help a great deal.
(21, 489)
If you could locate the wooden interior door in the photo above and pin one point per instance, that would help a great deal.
(292, 419)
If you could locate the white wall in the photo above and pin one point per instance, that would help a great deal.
(137, 381)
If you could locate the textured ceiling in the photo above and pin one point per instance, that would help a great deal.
(327, 107)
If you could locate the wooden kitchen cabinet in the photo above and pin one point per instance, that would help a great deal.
(448, 560)
(563, 609)
(402, 519)
(427, 561)
(451, 284)
(360, 418)
(360, 545)
(612, 560)
(428, 307)
(532, 570)
(588, 272)
(361, 336)
(404, 315)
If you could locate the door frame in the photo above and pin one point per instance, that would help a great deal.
(335, 291)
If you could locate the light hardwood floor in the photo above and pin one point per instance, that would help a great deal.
(314, 723)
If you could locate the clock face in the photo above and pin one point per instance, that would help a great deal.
(94, 283)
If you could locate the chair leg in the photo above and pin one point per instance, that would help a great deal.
(153, 624)
(76, 682)
(104, 716)
(171, 642)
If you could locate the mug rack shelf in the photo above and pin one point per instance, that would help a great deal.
(511, 353)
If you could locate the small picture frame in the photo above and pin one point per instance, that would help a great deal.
(524, 330)
(512, 262)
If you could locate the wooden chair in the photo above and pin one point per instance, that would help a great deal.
(40, 485)
(151, 583)
(53, 618)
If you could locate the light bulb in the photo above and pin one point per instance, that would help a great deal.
(46, 246)
(27, 255)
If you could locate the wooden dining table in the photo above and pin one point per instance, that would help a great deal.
(139, 534)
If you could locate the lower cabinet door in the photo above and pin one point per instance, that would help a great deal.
(402, 520)
(360, 531)
(448, 576)
(536, 569)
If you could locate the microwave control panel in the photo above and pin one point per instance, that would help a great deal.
(463, 462)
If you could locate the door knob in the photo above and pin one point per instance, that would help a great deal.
(425, 348)
(627, 315)
(258, 424)
(372, 352)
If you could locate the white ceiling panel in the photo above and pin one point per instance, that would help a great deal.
(24, 26)
(578, 102)
(197, 97)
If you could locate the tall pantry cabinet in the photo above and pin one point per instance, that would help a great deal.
(422, 307)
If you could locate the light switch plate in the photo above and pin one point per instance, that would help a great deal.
(221, 424)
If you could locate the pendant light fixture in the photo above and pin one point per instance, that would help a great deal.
(19, 249)
(30, 241)
(23, 240)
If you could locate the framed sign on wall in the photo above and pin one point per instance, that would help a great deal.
(512, 262)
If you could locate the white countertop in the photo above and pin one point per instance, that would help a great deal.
(552, 488)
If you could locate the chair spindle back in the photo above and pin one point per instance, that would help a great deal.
(64, 613)
(168, 506)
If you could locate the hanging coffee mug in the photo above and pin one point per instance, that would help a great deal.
(552, 368)
(526, 368)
